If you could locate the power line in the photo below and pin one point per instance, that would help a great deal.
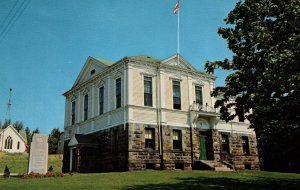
(17, 15)
(11, 10)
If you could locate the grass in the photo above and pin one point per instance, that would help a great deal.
(180, 180)
(18, 162)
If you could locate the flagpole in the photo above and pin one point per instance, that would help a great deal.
(178, 34)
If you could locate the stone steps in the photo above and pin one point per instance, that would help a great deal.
(216, 165)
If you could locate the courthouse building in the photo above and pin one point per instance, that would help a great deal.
(145, 113)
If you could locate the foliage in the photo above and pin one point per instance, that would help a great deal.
(264, 37)
(50, 169)
(18, 125)
(28, 134)
(6, 123)
(6, 172)
(53, 140)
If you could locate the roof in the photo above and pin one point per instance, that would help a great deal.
(22, 135)
(81, 139)
(106, 62)
(144, 58)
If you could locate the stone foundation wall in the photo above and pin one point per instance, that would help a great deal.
(124, 149)
(236, 157)
(141, 158)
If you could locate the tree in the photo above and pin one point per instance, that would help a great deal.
(28, 134)
(6, 123)
(264, 36)
(34, 131)
(53, 140)
(18, 125)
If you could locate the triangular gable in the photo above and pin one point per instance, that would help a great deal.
(98, 65)
(16, 132)
(182, 63)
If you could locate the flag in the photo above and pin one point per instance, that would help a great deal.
(176, 8)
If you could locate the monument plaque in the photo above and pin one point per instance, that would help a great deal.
(38, 159)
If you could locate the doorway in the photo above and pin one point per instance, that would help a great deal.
(202, 141)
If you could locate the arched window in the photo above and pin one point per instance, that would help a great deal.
(8, 143)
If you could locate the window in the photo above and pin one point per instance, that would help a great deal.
(176, 95)
(93, 71)
(149, 138)
(73, 113)
(118, 93)
(85, 107)
(148, 91)
(18, 145)
(198, 93)
(101, 100)
(8, 143)
(177, 140)
(245, 143)
(225, 144)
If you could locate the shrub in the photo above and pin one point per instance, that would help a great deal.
(6, 172)
(50, 169)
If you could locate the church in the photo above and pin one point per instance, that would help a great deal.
(146, 113)
(12, 141)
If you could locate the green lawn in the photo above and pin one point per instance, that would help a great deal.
(161, 180)
(18, 162)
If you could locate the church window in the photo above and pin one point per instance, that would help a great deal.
(8, 143)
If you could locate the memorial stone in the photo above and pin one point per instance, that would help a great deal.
(38, 158)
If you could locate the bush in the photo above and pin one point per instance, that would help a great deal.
(6, 172)
(50, 169)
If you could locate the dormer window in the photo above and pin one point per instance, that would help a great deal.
(93, 71)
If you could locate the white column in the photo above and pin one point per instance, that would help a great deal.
(71, 158)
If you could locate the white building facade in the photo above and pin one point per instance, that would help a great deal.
(12, 141)
(145, 113)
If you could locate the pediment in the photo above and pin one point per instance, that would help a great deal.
(92, 67)
(178, 61)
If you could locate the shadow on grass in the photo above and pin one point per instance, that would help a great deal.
(222, 183)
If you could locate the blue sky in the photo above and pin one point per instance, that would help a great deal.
(44, 45)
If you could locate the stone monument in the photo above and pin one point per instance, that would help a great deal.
(38, 159)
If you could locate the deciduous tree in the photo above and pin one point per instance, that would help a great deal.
(264, 36)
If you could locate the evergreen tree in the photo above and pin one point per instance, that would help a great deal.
(53, 140)
(18, 125)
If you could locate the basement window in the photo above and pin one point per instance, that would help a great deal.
(150, 166)
(247, 166)
(179, 166)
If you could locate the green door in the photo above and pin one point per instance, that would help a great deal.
(203, 148)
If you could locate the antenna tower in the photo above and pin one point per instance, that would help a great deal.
(8, 112)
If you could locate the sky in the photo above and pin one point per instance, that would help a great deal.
(45, 43)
